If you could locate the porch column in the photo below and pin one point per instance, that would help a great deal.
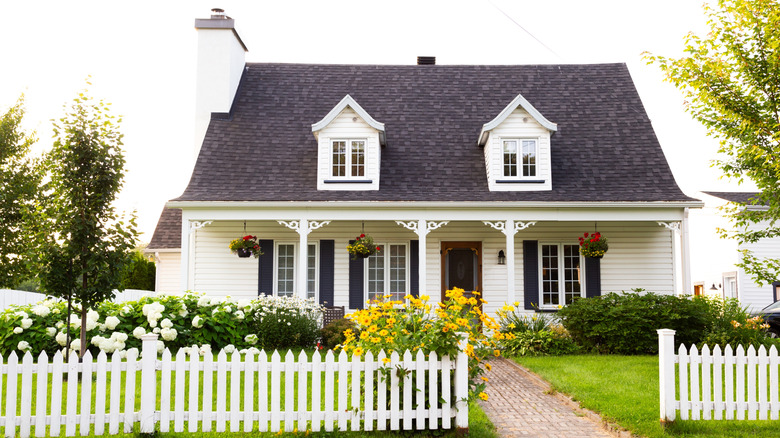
(422, 227)
(509, 232)
(188, 229)
(679, 229)
(303, 227)
(686, 255)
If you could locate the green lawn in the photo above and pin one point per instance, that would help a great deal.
(624, 390)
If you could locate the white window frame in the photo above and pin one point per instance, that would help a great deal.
(519, 163)
(295, 268)
(348, 162)
(561, 291)
(386, 280)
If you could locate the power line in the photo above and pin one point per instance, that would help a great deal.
(525, 30)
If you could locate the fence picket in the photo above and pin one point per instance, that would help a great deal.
(221, 390)
(72, 398)
(42, 382)
(694, 359)
(303, 376)
(381, 390)
(354, 421)
(446, 408)
(433, 389)
(729, 361)
(276, 372)
(131, 357)
(316, 386)
(235, 391)
(762, 369)
(343, 379)
(26, 400)
(165, 392)
(368, 390)
(420, 393)
(706, 386)
(56, 395)
(717, 382)
(262, 390)
(116, 381)
(100, 393)
(741, 363)
(208, 400)
(407, 385)
(192, 418)
(774, 406)
(10, 395)
(329, 390)
(249, 393)
(289, 391)
(395, 405)
(752, 362)
(86, 392)
(178, 399)
(684, 405)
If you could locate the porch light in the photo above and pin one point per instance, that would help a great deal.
(713, 287)
(501, 257)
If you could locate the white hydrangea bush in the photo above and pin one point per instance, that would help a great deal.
(193, 322)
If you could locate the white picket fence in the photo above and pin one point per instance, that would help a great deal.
(243, 392)
(717, 384)
(10, 297)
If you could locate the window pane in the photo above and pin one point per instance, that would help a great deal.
(285, 271)
(376, 274)
(358, 158)
(311, 272)
(398, 271)
(339, 158)
(571, 265)
(510, 158)
(529, 157)
(550, 275)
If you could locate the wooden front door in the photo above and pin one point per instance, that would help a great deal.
(461, 267)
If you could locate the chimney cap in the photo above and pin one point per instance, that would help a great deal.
(426, 60)
(218, 13)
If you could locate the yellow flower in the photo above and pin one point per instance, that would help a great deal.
(359, 351)
(383, 333)
(483, 396)
(386, 360)
(496, 353)
(375, 340)
(364, 335)
(484, 379)
(488, 367)
(462, 322)
(516, 303)
(445, 329)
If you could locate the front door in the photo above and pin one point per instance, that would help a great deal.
(462, 267)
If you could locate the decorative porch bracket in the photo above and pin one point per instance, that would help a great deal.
(674, 226)
(196, 225)
(303, 227)
(509, 228)
(422, 227)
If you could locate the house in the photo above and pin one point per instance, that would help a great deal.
(480, 177)
(732, 281)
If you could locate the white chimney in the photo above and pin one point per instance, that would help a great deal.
(220, 65)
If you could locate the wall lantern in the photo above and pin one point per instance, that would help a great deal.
(501, 257)
(713, 287)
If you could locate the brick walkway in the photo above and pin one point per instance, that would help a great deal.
(519, 407)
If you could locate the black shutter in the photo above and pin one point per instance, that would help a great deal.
(355, 281)
(592, 277)
(530, 274)
(414, 267)
(326, 273)
(265, 270)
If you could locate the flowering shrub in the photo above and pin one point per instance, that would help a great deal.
(732, 324)
(363, 246)
(593, 245)
(413, 325)
(247, 243)
(534, 334)
(189, 321)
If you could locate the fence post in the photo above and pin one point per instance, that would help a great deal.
(666, 374)
(462, 386)
(148, 382)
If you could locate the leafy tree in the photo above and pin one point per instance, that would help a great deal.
(731, 83)
(19, 187)
(139, 272)
(87, 246)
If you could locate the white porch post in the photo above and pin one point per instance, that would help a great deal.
(303, 227)
(509, 232)
(422, 265)
(185, 255)
(686, 255)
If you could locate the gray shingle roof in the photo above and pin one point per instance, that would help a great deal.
(167, 235)
(605, 149)
(738, 197)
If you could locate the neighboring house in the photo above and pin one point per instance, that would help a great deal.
(734, 282)
(481, 177)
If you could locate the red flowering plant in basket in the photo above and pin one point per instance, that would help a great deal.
(362, 247)
(593, 245)
(246, 246)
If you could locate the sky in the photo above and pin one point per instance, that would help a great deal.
(141, 57)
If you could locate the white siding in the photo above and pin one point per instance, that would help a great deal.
(168, 272)
(519, 125)
(348, 125)
(750, 294)
(640, 255)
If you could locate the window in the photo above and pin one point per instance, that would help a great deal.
(285, 270)
(348, 158)
(387, 272)
(560, 274)
(520, 158)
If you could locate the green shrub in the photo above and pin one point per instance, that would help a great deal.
(538, 334)
(333, 333)
(732, 324)
(627, 323)
(139, 272)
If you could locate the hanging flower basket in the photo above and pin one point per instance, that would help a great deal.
(246, 246)
(593, 245)
(363, 247)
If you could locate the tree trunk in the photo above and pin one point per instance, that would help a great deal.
(83, 313)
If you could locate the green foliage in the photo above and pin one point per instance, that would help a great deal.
(731, 324)
(333, 333)
(731, 83)
(533, 335)
(20, 182)
(139, 273)
(627, 323)
(286, 323)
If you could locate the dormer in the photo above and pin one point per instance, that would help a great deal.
(349, 142)
(517, 149)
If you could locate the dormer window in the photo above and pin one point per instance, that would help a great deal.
(520, 158)
(348, 158)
